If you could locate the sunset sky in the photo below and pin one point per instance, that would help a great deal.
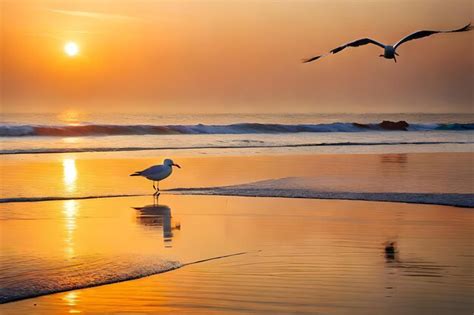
(233, 56)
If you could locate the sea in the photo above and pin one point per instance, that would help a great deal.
(235, 133)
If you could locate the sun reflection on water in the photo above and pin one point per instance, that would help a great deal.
(70, 117)
(70, 210)
(71, 140)
(71, 299)
(69, 174)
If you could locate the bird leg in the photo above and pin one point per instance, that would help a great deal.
(395, 59)
(157, 188)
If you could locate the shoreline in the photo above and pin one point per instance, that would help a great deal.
(336, 195)
(464, 200)
(433, 178)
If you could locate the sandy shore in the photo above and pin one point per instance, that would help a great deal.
(302, 255)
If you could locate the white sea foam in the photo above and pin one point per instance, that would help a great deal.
(26, 277)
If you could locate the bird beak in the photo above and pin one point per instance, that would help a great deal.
(176, 165)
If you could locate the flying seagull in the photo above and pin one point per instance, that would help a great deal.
(157, 173)
(389, 50)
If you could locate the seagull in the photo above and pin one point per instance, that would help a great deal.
(156, 173)
(389, 50)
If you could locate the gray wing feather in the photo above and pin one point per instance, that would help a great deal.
(152, 170)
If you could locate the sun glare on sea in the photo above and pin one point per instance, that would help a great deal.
(70, 116)
(69, 174)
(71, 49)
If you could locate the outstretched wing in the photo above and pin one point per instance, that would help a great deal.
(425, 33)
(312, 58)
(356, 43)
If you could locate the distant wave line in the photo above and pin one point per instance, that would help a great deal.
(7, 130)
(122, 149)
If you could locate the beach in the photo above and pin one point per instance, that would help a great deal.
(236, 157)
(294, 256)
(267, 254)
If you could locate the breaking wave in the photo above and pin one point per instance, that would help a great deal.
(445, 199)
(81, 272)
(241, 128)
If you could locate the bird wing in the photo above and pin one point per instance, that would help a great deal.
(152, 170)
(356, 43)
(312, 58)
(425, 33)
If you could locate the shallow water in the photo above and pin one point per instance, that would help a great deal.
(82, 175)
(54, 246)
(306, 256)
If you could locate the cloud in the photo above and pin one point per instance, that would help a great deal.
(60, 35)
(94, 15)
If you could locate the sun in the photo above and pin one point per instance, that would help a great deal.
(71, 49)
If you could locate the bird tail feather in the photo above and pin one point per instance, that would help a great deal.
(136, 174)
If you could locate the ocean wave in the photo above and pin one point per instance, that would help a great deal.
(242, 146)
(262, 189)
(64, 275)
(446, 199)
(241, 128)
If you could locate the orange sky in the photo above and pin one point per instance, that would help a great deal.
(233, 56)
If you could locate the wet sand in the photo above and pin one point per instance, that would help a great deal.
(303, 255)
(97, 174)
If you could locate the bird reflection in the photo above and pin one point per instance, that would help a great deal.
(406, 267)
(390, 251)
(394, 158)
(158, 216)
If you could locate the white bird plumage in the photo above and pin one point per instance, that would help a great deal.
(389, 50)
(156, 173)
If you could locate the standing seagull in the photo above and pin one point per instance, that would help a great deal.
(156, 173)
(389, 51)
